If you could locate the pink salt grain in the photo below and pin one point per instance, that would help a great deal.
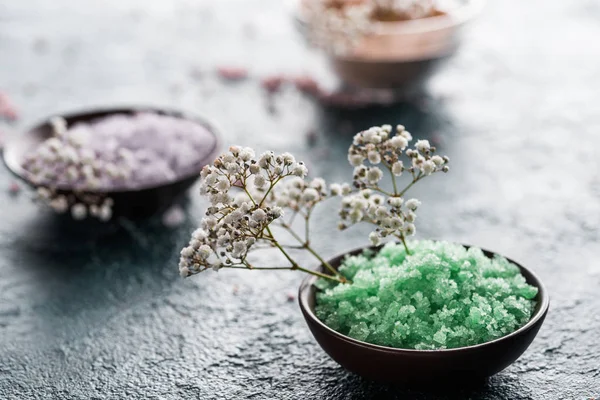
(232, 73)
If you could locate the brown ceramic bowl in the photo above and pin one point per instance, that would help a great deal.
(402, 366)
(143, 201)
(402, 54)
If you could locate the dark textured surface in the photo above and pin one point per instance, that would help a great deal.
(107, 317)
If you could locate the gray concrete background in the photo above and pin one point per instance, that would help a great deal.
(90, 316)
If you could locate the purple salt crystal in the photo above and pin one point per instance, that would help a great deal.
(127, 152)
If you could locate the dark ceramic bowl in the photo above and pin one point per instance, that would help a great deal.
(402, 366)
(143, 201)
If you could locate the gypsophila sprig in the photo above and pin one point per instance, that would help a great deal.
(372, 153)
(249, 196)
(253, 198)
(63, 161)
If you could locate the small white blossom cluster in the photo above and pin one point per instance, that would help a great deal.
(249, 195)
(372, 152)
(338, 27)
(67, 173)
(243, 205)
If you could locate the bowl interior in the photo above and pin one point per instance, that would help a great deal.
(18, 146)
(307, 300)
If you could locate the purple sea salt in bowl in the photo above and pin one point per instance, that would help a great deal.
(169, 150)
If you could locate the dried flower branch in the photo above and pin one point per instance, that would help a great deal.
(64, 161)
(372, 203)
(250, 197)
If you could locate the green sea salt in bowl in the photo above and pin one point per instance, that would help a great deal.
(441, 296)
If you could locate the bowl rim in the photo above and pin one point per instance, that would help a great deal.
(93, 113)
(307, 283)
(454, 17)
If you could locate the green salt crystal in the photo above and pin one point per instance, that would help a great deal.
(440, 296)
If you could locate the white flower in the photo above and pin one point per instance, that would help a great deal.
(310, 195)
(374, 157)
(260, 181)
(199, 234)
(336, 189)
(395, 202)
(78, 211)
(375, 238)
(413, 204)
(187, 252)
(288, 159)
(44, 193)
(104, 213)
(59, 126)
(399, 142)
(356, 215)
(437, 160)
(259, 215)
(204, 251)
(346, 189)
(300, 170)
(246, 154)
(355, 159)
(265, 159)
(409, 229)
(239, 249)
(254, 168)
(397, 168)
(410, 217)
(381, 212)
(423, 146)
(374, 175)
(428, 167)
(59, 204)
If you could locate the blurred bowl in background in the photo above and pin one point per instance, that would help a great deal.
(401, 54)
(137, 202)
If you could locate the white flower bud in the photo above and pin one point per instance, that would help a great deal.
(223, 185)
(310, 195)
(246, 154)
(336, 189)
(409, 229)
(346, 189)
(399, 142)
(254, 168)
(374, 157)
(428, 167)
(204, 251)
(397, 168)
(78, 211)
(260, 181)
(59, 204)
(288, 159)
(437, 160)
(375, 238)
(259, 215)
(413, 204)
(356, 215)
(374, 175)
(104, 213)
(187, 252)
(355, 159)
(300, 170)
(199, 234)
(423, 146)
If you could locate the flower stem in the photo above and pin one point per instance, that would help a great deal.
(306, 245)
(295, 265)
